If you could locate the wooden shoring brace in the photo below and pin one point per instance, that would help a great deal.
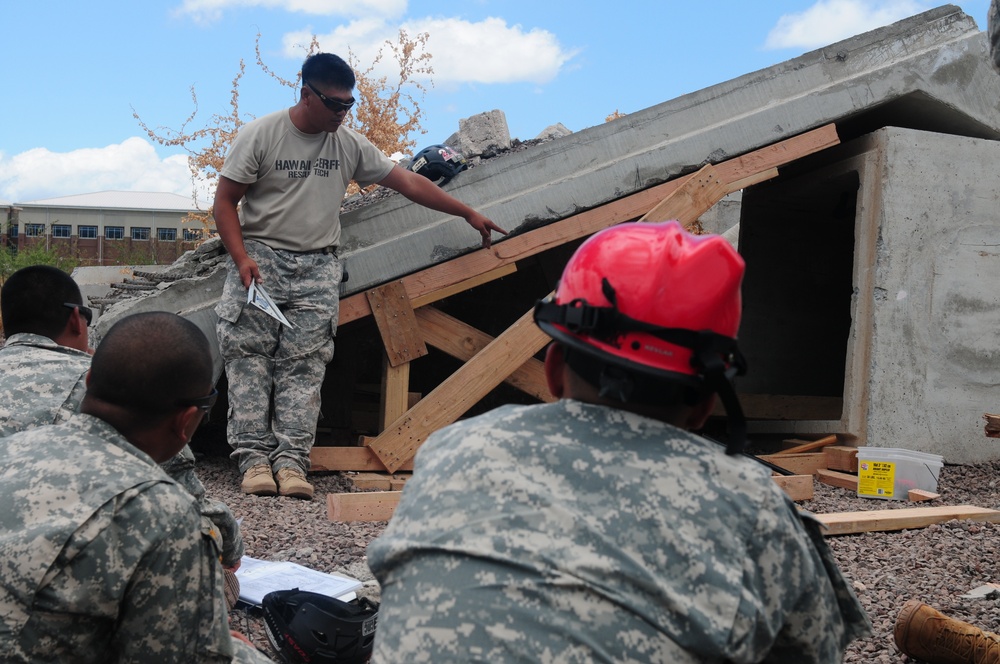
(473, 380)
(397, 325)
(738, 173)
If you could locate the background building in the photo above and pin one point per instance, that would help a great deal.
(109, 227)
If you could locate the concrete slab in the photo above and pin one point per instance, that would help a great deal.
(929, 72)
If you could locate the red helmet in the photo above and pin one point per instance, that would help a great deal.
(653, 299)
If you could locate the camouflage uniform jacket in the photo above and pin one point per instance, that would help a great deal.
(42, 382)
(570, 532)
(104, 556)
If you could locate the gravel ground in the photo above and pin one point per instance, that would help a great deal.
(938, 564)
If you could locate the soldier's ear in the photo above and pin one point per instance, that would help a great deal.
(555, 366)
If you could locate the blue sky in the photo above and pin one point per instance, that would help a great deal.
(72, 73)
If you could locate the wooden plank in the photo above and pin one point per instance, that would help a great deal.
(838, 479)
(397, 480)
(332, 458)
(699, 193)
(463, 341)
(814, 445)
(841, 457)
(363, 506)
(394, 398)
(800, 464)
(463, 286)
(849, 523)
(368, 481)
(798, 487)
(459, 392)
(627, 208)
(992, 425)
(920, 495)
(397, 325)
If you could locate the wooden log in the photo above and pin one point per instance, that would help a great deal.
(798, 487)
(849, 523)
(363, 506)
(838, 479)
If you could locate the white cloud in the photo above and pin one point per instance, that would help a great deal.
(207, 11)
(829, 21)
(131, 165)
(489, 51)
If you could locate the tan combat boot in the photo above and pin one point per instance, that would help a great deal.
(292, 482)
(258, 481)
(930, 636)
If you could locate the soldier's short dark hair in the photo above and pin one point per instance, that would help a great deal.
(328, 69)
(32, 301)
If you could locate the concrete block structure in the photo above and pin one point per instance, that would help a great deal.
(871, 292)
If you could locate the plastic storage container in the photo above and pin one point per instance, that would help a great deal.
(888, 473)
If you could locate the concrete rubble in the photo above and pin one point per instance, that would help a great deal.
(929, 74)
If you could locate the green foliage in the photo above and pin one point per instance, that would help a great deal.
(12, 260)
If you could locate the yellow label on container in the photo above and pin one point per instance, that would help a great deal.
(876, 478)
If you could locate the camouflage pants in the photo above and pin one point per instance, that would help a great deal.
(275, 372)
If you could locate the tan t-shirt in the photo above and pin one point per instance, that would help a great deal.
(298, 180)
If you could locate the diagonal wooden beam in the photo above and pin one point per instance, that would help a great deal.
(459, 392)
(462, 341)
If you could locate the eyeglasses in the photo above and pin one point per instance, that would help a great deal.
(86, 312)
(334, 105)
(202, 403)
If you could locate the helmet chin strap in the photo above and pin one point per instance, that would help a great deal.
(715, 358)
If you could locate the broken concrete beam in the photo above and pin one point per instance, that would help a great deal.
(930, 68)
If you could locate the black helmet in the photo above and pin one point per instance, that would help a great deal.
(438, 161)
(309, 627)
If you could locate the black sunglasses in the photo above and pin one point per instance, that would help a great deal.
(202, 403)
(86, 312)
(334, 105)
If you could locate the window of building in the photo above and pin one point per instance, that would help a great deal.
(13, 230)
(87, 232)
(114, 232)
(191, 235)
(61, 230)
(34, 230)
(166, 234)
(140, 232)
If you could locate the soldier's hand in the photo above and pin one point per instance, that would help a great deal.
(249, 271)
(485, 228)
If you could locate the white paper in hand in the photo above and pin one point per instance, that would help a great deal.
(258, 297)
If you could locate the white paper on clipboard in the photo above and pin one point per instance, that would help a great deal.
(258, 297)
